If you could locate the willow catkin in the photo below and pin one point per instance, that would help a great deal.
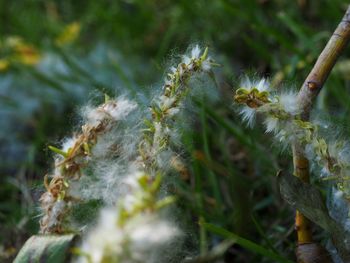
(282, 117)
(138, 228)
(76, 153)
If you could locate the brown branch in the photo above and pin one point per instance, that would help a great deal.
(324, 64)
(301, 170)
(307, 95)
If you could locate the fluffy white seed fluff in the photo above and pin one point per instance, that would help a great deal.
(105, 237)
(309, 151)
(207, 65)
(166, 102)
(271, 124)
(117, 109)
(173, 112)
(289, 103)
(248, 115)
(338, 208)
(261, 85)
(146, 239)
(195, 52)
(130, 188)
(341, 151)
(121, 109)
(142, 239)
(57, 210)
(68, 143)
(108, 183)
(147, 235)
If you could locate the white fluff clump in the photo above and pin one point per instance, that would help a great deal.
(248, 115)
(260, 84)
(104, 183)
(281, 113)
(251, 91)
(339, 208)
(289, 102)
(68, 143)
(116, 110)
(340, 151)
(136, 230)
(139, 230)
(72, 162)
(272, 125)
(197, 54)
(279, 110)
(114, 152)
(143, 239)
(115, 158)
(256, 96)
(155, 150)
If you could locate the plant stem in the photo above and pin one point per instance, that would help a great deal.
(301, 170)
(307, 95)
(324, 64)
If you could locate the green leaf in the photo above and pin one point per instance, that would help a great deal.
(107, 98)
(165, 202)
(59, 151)
(247, 244)
(46, 248)
(214, 255)
(308, 200)
(205, 54)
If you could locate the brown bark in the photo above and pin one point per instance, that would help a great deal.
(307, 95)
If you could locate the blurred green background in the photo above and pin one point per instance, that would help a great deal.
(57, 55)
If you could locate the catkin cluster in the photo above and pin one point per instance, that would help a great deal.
(70, 162)
(281, 114)
(126, 170)
(160, 128)
(139, 231)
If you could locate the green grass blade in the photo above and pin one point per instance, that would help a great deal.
(247, 244)
(212, 177)
(263, 235)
